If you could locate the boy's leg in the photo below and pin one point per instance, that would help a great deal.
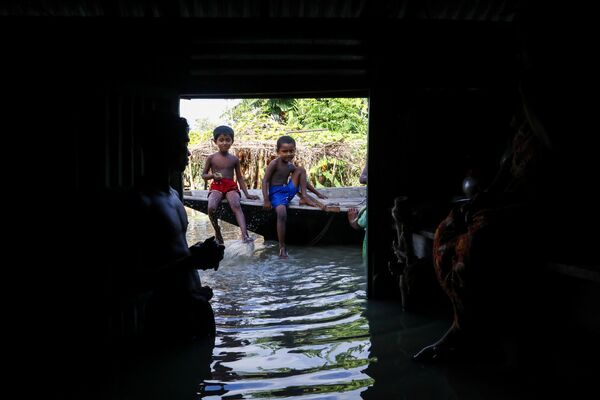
(299, 179)
(281, 212)
(214, 198)
(233, 198)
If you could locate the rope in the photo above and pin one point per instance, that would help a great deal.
(323, 231)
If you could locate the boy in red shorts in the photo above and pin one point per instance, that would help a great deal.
(222, 166)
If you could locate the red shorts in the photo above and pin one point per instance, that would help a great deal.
(225, 185)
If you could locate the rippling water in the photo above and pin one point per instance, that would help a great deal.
(286, 328)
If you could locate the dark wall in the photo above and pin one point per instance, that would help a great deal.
(441, 98)
(76, 90)
(437, 91)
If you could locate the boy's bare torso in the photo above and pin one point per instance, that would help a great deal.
(282, 172)
(224, 164)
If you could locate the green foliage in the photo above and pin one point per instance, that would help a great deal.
(197, 137)
(279, 109)
(329, 172)
(201, 131)
(329, 119)
(203, 124)
(258, 126)
(313, 123)
(275, 109)
(348, 117)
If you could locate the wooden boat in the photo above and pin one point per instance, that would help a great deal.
(306, 225)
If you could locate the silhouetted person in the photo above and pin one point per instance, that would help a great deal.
(179, 305)
(486, 252)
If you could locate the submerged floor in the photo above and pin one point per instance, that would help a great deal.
(302, 329)
(287, 327)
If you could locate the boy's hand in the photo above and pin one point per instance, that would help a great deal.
(352, 214)
(217, 176)
(321, 195)
(252, 197)
(267, 205)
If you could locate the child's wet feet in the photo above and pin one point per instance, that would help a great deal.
(283, 253)
(248, 239)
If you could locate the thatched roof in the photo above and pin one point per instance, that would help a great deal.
(255, 155)
(305, 154)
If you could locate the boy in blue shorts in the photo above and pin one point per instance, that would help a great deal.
(282, 181)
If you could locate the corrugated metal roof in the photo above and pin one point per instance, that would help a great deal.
(462, 10)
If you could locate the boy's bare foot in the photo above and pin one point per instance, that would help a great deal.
(309, 201)
(248, 239)
(283, 253)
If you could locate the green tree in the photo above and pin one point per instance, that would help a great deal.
(276, 109)
(311, 122)
(347, 116)
(203, 124)
(201, 131)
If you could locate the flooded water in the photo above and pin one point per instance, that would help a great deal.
(302, 329)
(286, 328)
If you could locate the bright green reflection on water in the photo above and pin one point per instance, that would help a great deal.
(286, 327)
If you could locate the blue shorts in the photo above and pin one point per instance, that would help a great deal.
(282, 194)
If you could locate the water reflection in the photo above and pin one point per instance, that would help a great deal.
(286, 327)
(302, 328)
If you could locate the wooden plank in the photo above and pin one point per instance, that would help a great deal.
(308, 225)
